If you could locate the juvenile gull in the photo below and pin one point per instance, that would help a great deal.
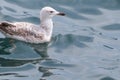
(29, 32)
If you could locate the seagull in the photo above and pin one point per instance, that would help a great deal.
(31, 33)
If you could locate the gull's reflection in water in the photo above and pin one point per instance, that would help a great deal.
(8, 46)
(40, 49)
(4, 44)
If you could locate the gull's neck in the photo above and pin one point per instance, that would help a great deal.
(47, 26)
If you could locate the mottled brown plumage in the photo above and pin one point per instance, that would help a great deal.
(5, 27)
(13, 30)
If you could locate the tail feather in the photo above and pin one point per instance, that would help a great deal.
(5, 24)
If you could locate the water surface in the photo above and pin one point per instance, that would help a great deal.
(85, 43)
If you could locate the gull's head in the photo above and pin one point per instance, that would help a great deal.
(49, 12)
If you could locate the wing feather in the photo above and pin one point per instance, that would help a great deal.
(21, 29)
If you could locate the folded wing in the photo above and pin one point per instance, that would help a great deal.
(22, 31)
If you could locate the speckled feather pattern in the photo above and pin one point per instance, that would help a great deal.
(24, 31)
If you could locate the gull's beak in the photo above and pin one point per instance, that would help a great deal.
(61, 14)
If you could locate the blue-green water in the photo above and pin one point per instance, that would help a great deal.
(85, 44)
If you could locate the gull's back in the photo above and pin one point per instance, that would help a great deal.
(23, 31)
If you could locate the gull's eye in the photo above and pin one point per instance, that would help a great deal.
(51, 11)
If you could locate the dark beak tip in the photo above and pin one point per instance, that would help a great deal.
(62, 14)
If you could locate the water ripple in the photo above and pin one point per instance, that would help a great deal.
(85, 43)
